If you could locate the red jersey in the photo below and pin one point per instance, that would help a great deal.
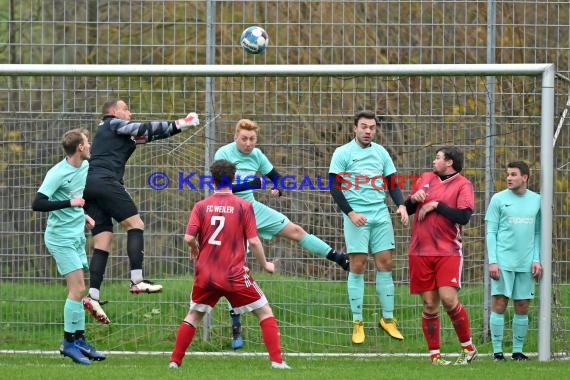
(436, 235)
(222, 224)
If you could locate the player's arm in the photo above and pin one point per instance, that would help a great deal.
(397, 197)
(455, 215)
(250, 233)
(274, 176)
(256, 249)
(154, 130)
(193, 244)
(337, 194)
(42, 203)
(253, 184)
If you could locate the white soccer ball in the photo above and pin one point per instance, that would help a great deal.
(254, 40)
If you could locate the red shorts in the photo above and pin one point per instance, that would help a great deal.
(433, 272)
(244, 295)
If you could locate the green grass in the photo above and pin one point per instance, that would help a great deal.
(313, 317)
(155, 367)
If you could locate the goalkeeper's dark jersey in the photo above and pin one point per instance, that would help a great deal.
(115, 142)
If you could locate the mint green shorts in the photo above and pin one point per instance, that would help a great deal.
(69, 254)
(513, 285)
(373, 237)
(269, 222)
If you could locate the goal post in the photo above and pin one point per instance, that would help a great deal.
(545, 71)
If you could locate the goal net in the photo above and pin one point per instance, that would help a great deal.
(303, 117)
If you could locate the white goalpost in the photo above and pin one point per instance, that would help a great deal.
(299, 125)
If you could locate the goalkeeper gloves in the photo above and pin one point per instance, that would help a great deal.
(189, 121)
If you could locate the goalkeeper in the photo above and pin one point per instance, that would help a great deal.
(106, 198)
(250, 161)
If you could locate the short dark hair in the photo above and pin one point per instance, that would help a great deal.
(521, 165)
(223, 172)
(455, 154)
(365, 114)
(71, 140)
(109, 105)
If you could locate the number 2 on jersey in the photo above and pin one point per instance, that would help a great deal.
(219, 221)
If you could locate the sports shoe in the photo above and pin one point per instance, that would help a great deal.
(237, 340)
(173, 365)
(88, 350)
(281, 365)
(94, 308)
(438, 360)
(498, 357)
(390, 325)
(466, 357)
(70, 350)
(358, 333)
(340, 258)
(519, 357)
(145, 287)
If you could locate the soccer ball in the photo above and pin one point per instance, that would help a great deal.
(254, 40)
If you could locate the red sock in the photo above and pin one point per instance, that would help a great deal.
(183, 339)
(460, 321)
(272, 339)
(431, 327)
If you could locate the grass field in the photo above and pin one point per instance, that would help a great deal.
(15, 366)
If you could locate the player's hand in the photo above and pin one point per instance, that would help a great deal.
(77, 202)
(419, 196)
(275, 193)
(269, 267)
(89, 222)
(357, 219)
(494, 271)
(536, 270)
(194, 250)
(403, 214)
(427, 208)
(191, 120)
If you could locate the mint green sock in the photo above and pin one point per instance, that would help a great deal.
(520, 328)
(356, 294)
(315, 245)
(497, 324)
(73, 316)
(385, 292)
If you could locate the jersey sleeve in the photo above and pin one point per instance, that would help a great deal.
(466, 196)
(492, 219)
(389, 167)
(193, 225)
(220, 155)
(265, 166)
(250, 225)
(337, 163)
(537, 237)
(50, 184)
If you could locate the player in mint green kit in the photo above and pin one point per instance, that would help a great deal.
(513, 246)
(361, 171)
(250, 162)
(61, 194)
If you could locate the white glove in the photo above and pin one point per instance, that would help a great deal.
(189, 121)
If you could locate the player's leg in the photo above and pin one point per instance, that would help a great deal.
(69, 265)
(237, 339)
(501, 291)
(422, 282)
(523, 292)
(246, 295)
(382, 244)
(356, 239)
(202, 302)
(271, 223)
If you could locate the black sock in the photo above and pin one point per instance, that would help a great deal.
(68, 337)
(97, 268)
(235, 317)
(80, 334)
(135, 248)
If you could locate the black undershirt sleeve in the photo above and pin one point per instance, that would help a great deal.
(337, 194)
(253, 184)
(410, 206)
(42, 203)
(274, 176)
(456, 215)
(394, 190)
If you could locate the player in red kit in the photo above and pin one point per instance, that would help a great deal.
(442, 201)
(218, 231)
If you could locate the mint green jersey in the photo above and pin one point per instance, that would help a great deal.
(356, 165)
(247, 165)
(64, 182)
(513, 230)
